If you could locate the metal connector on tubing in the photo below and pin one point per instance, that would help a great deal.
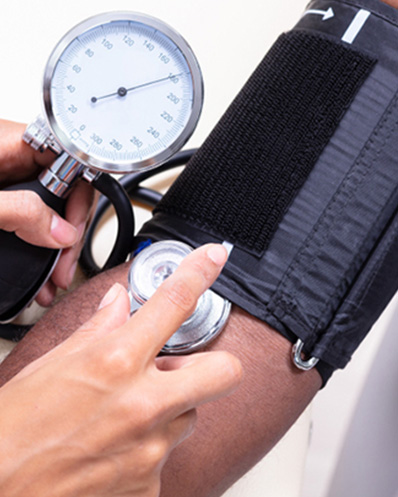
(299, 362)
(39, 136)
(62, 174)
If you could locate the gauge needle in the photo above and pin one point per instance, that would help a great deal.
(122, 91)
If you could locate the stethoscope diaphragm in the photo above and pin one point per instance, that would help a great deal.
(149, 269)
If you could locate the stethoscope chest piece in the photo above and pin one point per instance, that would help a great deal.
(149, 269)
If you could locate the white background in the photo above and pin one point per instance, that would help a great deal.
(229, 38)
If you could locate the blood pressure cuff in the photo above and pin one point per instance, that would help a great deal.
(300, 175)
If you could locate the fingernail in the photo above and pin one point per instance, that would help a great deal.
(111, 296)
(63, 232)
(218, 254)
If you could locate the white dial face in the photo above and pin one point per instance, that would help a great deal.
(122, 93)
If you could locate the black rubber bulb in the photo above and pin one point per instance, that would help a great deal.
(24, 268)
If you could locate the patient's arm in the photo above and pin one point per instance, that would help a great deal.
(231, 434)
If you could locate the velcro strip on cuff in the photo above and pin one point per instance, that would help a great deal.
(244, 177)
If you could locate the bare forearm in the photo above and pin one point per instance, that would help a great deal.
(232, 434)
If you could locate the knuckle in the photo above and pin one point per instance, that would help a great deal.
(116, 361)
(181, 295)
(155, 453)
(152, 456)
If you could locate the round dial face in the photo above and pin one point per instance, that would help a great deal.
(122, 92)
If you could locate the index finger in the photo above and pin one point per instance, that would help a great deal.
(174, 301)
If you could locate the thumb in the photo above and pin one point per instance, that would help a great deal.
(24, 213)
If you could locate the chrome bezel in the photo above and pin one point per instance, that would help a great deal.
(125, 167)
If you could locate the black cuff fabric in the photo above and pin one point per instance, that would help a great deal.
(320, 264)
(266, 144)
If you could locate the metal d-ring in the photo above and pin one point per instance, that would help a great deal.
(305, 365)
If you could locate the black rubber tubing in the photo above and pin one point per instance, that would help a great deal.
(117, 196)
(131, 184)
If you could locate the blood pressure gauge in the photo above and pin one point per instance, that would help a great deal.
(122, 92)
